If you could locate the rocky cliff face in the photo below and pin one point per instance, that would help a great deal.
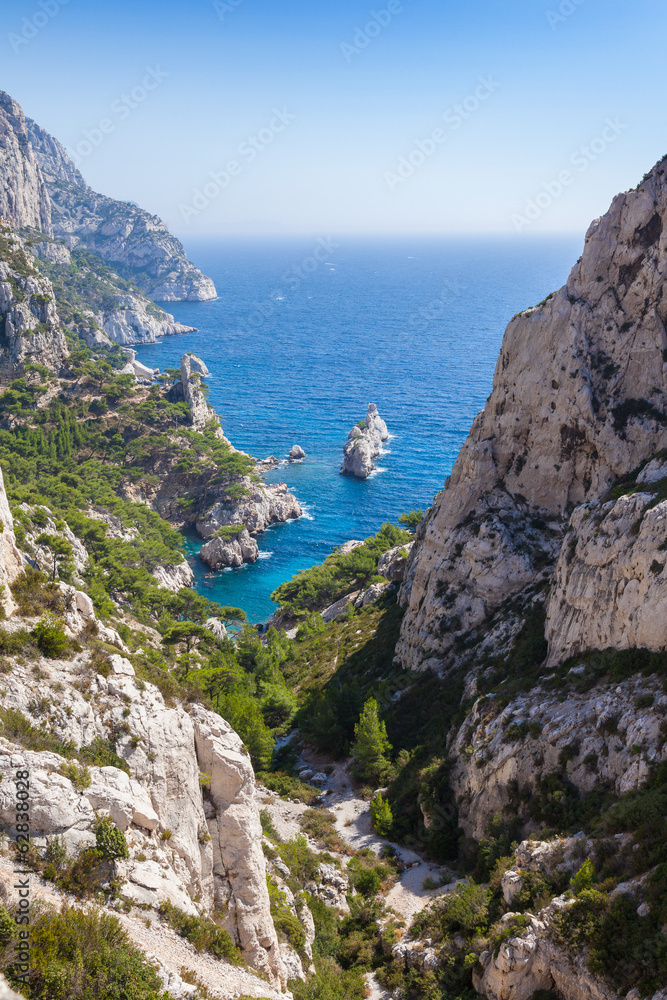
(183, 846)
(41, 188)
(579, 399)
(30, 331)
(24, 200)
(610, 588)
(231, 550)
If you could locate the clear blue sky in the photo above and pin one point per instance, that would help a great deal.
(356, 111)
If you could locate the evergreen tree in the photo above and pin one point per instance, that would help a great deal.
(371, 745)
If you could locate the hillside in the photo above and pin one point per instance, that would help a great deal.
(478, 692)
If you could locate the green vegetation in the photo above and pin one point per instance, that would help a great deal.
(315, 588)
(203, 933)
(77, 955)
(371, 745)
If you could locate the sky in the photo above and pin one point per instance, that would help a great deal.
(283, 117)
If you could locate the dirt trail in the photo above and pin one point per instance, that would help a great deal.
(353, 823)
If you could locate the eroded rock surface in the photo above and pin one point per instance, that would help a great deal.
(579, 399)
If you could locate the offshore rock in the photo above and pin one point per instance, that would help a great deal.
(296, 453)
(235, 550)
(364, 444)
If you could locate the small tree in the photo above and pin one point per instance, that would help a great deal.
(109, 840)
(412, 519)
(371, 745)
(381, 815)
(60, 549)
(189, 634)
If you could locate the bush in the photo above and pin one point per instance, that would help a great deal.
(86, 956)
(50, 635)
(204, 934)
(109, 840)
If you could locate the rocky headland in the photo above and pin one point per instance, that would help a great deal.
(364, 444)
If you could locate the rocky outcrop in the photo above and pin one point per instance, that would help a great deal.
(236, 835)
(579, 399)
(24, 200)
(532, 961)
(174, 577)
(601, 736)
(296, 453)
(229, 549)
(191, 387)
(30, 330)
(393, 563)
(203, 853)
(263, 505)
(610, 584)
(364, 444)
(11, 560)
(130, 322)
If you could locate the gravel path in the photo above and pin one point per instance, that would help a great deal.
(353, 823)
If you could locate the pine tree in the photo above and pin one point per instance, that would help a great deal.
(371, 745)
(381, 815)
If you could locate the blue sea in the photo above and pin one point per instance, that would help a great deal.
(306, 333)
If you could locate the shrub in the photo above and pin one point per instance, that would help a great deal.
(86, 956)
(50, 635)
(204, 934)
(584, 878)
(79, 776)
(109, 840)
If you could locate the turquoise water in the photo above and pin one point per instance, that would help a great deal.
(298, 346)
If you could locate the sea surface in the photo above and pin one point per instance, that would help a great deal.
(305, 334)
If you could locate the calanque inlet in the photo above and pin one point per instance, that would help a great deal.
(441, 769)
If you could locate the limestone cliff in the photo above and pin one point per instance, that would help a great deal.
(24, 200)
(30, 329)
(41, 188)
(579, 399)
(200, 852)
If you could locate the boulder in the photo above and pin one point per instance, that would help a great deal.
(392, 564)
(296, 453)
